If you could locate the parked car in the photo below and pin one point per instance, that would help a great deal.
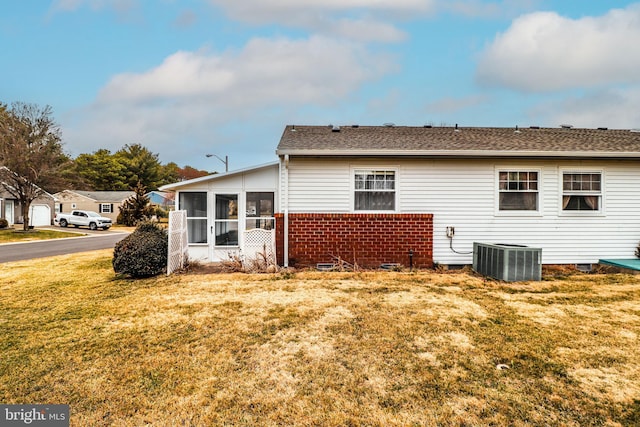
(79, 218)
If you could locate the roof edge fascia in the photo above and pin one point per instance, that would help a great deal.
(460, 153)
(215, 177)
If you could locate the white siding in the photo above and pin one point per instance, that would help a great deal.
(319, 186)
(463, 194)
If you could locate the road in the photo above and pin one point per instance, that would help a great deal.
(45, 248)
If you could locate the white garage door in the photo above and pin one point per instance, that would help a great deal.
(39, 215)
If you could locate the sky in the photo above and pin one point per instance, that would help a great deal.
(187, 78)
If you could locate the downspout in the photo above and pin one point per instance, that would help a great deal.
(286, 210)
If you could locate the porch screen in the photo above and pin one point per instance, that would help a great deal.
(260, 211)
(226, 220)
(195, 203)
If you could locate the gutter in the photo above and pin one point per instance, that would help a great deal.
(286, 210)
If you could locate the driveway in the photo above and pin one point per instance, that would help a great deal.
(45, 248)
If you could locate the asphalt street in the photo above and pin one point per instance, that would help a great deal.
(45, 248)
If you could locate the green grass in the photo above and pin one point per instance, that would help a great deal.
(336, 349)
(18, 235)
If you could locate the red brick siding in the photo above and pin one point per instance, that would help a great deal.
(372, 239)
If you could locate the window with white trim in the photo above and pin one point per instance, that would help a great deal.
(259, 210)
(226, 220)
(374, 190)
(581, 191)
(195, 203)
(518, 190)
(106, 208)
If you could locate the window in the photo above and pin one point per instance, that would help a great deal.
(581, 191)
(196, 206)
(106, 208)
(518, 191)
(375, 190)
(226, 220)
(260, 210)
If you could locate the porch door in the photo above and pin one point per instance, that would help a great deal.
(8, 211)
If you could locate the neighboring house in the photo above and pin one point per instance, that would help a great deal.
(106, 203)
(161, 199)
(41, 210)
(387, 194)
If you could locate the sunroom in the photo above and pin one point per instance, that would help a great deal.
(222, 208)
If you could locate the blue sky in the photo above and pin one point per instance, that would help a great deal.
(192, 77)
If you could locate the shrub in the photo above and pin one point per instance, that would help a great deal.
(3, 223)
(143, 253)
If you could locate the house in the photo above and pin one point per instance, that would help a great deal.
(106, 203)
(423, 195)
(161, 199)
(41, 210)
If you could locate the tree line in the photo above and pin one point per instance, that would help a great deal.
(32, 160)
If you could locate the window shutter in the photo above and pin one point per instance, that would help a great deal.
(111, 208)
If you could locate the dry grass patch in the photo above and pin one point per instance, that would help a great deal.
(18, 235)
(375, 349)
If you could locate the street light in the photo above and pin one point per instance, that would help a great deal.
(225, 161)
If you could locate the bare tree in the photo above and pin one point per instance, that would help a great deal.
(31, 153)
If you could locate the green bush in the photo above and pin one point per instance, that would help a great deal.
(143, 253)
(3, 223)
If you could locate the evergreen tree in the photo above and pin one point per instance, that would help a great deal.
(141, 165)
(136, 208)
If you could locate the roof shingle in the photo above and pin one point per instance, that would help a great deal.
(471, 141)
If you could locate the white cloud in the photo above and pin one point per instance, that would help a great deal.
(124, 9)
(617, 108)
(186, 19)
(188, 99)
(72, 5)
(484, 9)
(314, 70)
(544, 51)
(363, 20)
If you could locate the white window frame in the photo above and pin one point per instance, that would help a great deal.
(244, 215)
(578, 213)
(103, 210)
(521, 168)
(217, 220)
(178, 201)
(375, 168)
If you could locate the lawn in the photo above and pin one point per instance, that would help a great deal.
(319, 349)
(18, 235)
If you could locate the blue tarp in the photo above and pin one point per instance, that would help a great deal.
(631, 263)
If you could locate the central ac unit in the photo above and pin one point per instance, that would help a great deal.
(511, 263)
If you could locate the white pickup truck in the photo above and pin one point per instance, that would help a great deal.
(80, 218)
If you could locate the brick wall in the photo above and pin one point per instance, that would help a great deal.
(372, 239)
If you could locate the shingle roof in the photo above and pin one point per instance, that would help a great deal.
(463, 141)
(106, 196)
